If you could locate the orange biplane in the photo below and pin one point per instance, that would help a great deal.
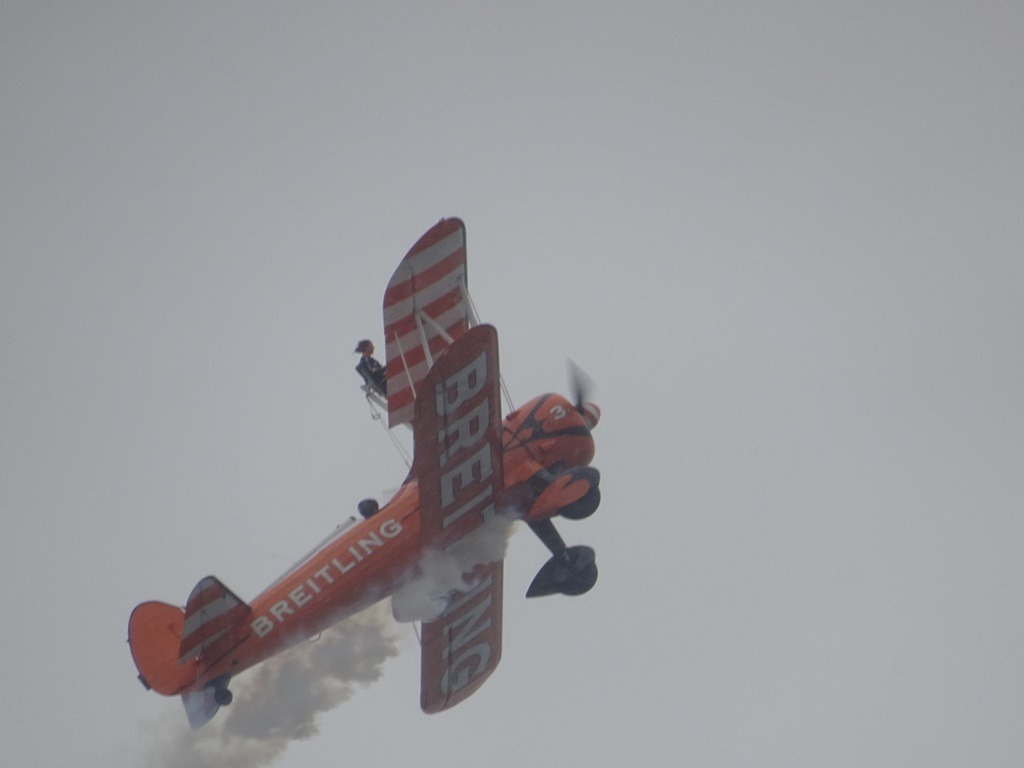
(473, 474)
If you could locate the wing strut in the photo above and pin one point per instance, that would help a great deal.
(421, 315)
(405, 365)
(418, 316)
(470, 309)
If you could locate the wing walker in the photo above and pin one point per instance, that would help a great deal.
(471, 469)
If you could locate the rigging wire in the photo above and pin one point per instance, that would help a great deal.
(375, 414)
(501, 379)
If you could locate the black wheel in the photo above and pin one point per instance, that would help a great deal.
(223, 696)
(572, 571)
(581, 582)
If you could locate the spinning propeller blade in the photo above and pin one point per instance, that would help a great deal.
(581, 385)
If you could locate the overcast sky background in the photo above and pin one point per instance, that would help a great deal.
(786, 239)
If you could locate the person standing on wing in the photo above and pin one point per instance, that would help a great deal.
(373, 373)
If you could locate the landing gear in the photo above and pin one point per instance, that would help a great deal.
(570, 571)
(573, 493)
(221, 695)
(583, 508)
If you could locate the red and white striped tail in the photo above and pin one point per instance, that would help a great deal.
(425, 308)
(211, 612)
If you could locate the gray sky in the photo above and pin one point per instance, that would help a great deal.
(785, 239)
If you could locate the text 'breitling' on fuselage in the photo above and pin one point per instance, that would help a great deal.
(333, 568)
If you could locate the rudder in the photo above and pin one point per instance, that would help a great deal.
(214, 621)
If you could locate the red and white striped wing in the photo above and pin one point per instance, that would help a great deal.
(429, 283)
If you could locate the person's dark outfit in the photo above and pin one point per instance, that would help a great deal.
(373, 373)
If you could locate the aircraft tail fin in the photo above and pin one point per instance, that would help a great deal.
(173, 648)
(154, 636)
(214, 622)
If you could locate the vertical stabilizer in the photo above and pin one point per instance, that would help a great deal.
(214, 618)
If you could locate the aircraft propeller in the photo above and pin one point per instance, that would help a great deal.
(580, 385)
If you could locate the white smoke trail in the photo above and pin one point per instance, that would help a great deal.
(441, 573)
(278, 702)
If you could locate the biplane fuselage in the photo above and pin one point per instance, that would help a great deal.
(471, 468)
(364, 563)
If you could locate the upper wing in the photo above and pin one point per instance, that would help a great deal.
(425, 309)
(458, 466)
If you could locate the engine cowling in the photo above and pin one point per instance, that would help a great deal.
(546, 432)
